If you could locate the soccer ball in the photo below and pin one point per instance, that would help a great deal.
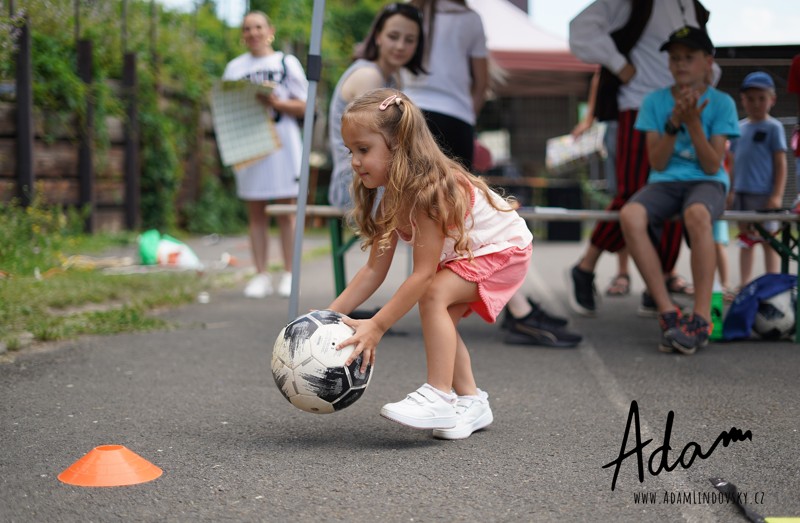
(775, 318)
(308, 369)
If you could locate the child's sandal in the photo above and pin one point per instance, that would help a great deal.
(620, 285)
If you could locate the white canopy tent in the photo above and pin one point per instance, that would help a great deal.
(530, 60)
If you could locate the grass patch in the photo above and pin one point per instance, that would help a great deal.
(76, 303)
(42, 299)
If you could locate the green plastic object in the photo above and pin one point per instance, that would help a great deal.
(717, 304)
(148, 246)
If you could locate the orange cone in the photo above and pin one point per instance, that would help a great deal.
(109, 466)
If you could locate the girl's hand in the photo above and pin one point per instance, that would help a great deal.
(365, 340)
(774, 202)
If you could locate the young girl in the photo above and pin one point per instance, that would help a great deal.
(470, 252)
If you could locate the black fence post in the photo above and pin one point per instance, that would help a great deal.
(85, 168)
(132, 174)
(25, 174)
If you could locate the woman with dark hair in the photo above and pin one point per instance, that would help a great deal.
(394, 42)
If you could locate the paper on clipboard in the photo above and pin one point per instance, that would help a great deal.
(562, 151)
(244, 129)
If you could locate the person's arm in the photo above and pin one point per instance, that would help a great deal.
(480, 82)
(359, 82)
(779, 178)
(731, 162)
(709, 151)
(428, 242)
(590, 36)
(366, 281)
(588, 119)
(659, 149)
(292, 106)
(297, 87)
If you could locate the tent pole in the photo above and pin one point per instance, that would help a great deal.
(313, 70)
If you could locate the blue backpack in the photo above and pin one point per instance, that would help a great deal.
(739, 319)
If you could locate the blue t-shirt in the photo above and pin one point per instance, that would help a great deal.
(718, 118)
(754, 171)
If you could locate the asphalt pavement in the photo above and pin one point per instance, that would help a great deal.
(199, 401)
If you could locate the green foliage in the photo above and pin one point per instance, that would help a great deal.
(228, 215)
(37, 236)
(9, 34)
(346, 24)
(179, 56)
(159, 160)
(41, 296)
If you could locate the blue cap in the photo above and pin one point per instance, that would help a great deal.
(757, 80)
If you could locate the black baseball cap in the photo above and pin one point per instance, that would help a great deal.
(690, 37)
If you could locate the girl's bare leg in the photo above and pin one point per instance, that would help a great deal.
(463, 379)
(439, 329)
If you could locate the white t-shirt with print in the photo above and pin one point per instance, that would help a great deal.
(276, 176)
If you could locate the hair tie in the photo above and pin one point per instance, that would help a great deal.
(386, 103)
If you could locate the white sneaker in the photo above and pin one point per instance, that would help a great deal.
(285, 285)
(425, 408)
(474, 414)
(259, 286)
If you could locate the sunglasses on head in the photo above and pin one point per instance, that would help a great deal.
(406, 9)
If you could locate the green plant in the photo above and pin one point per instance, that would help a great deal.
(37, 236)
(9, 33)
(217, 209)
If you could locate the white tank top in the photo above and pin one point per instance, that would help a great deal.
(488, 229)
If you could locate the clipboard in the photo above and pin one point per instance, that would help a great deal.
(244, 128)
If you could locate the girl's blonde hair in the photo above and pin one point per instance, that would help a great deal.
(420, 177)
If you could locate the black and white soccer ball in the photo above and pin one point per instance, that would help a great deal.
(775, 318)
(308, 369)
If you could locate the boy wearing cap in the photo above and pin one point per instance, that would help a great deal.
(686, 127)
(758, 169)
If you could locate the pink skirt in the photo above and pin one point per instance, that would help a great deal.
(498, 275)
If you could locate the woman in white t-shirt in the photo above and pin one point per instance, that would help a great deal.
(275, 178)
(452, 93)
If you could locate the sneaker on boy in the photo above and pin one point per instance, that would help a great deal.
(425, 408)
(530, 331)
(545, 316)
(537, 313)
(690, 335)
(474, 414)
(667, 321)
(583, 291)
(647, 307)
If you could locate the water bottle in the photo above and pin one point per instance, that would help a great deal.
(717, 304)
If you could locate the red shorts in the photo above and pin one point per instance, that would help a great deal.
(498, 275)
